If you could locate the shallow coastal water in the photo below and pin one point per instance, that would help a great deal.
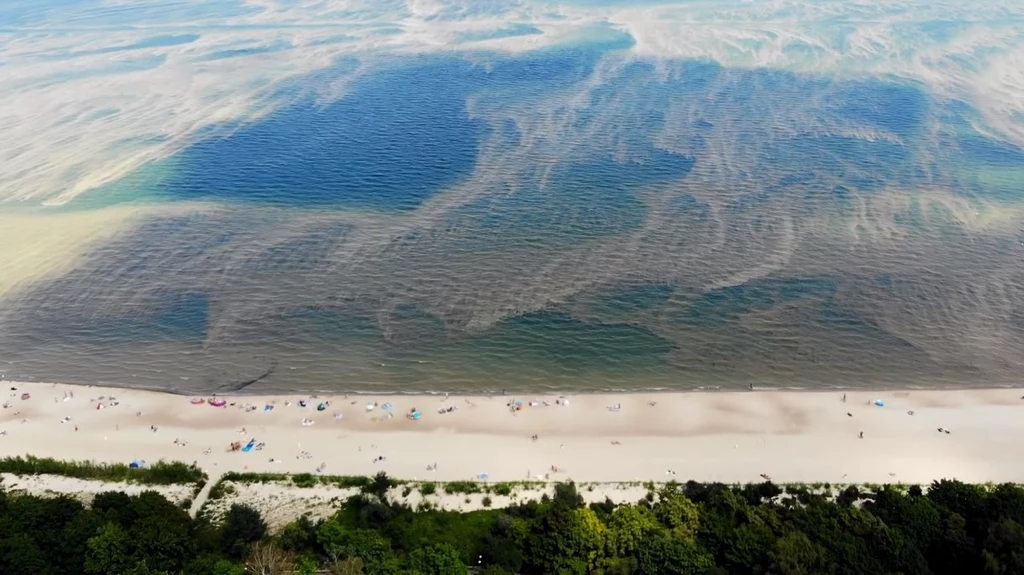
(581, 215)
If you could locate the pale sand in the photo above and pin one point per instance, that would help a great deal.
(85, 490)
(282, 502)
(728, 437)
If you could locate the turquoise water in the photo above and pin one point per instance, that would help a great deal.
(568, 218)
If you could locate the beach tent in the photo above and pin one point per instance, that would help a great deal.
(137, 464)
(218, 402)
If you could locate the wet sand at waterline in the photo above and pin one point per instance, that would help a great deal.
(728, 437)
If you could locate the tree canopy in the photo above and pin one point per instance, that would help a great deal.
(948, 528)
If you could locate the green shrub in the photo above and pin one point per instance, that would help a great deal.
(465, 487)
(486, 501)
(159, 473)
(254, 477)
(428, 488)
(348, 482)
(379, 485)
(222, 488)
(305, 480)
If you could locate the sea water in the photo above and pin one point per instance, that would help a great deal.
(576, 217)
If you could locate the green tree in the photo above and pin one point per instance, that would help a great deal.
(961, 498)
(628, 526)
(1004, 549)
(503, 546)
(565, 540)
(69, 555)
(567, 494)
(164, 542)
(369, 546)
(20, 554)
(306, 565)
(243, 526)
(677, 513)
(917, 517)
(227, 567)
(439, 559)
(109, 552)
(379, 486)
(795, 554)
(665, 555)
(115, 507)
(298, 536)
(953, 550)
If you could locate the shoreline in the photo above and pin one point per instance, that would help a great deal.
(705, 389)
(728, 436)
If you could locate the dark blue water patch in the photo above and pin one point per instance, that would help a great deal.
(580, 201)
(333, 324)
(797, 179)
(722, 306)
(302, 253)
(511, 135)
(861, 164)
(897, 108)
(628, 300)
(551, 68)
(650, 166)
(566, 343)
(398, 137)
(180, 317)
(277, 46)
(981, 150)
(834, 316)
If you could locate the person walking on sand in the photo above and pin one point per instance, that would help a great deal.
(862, 435)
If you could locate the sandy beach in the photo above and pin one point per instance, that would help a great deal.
(729, 437)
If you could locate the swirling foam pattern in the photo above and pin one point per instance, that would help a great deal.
(481, 194)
